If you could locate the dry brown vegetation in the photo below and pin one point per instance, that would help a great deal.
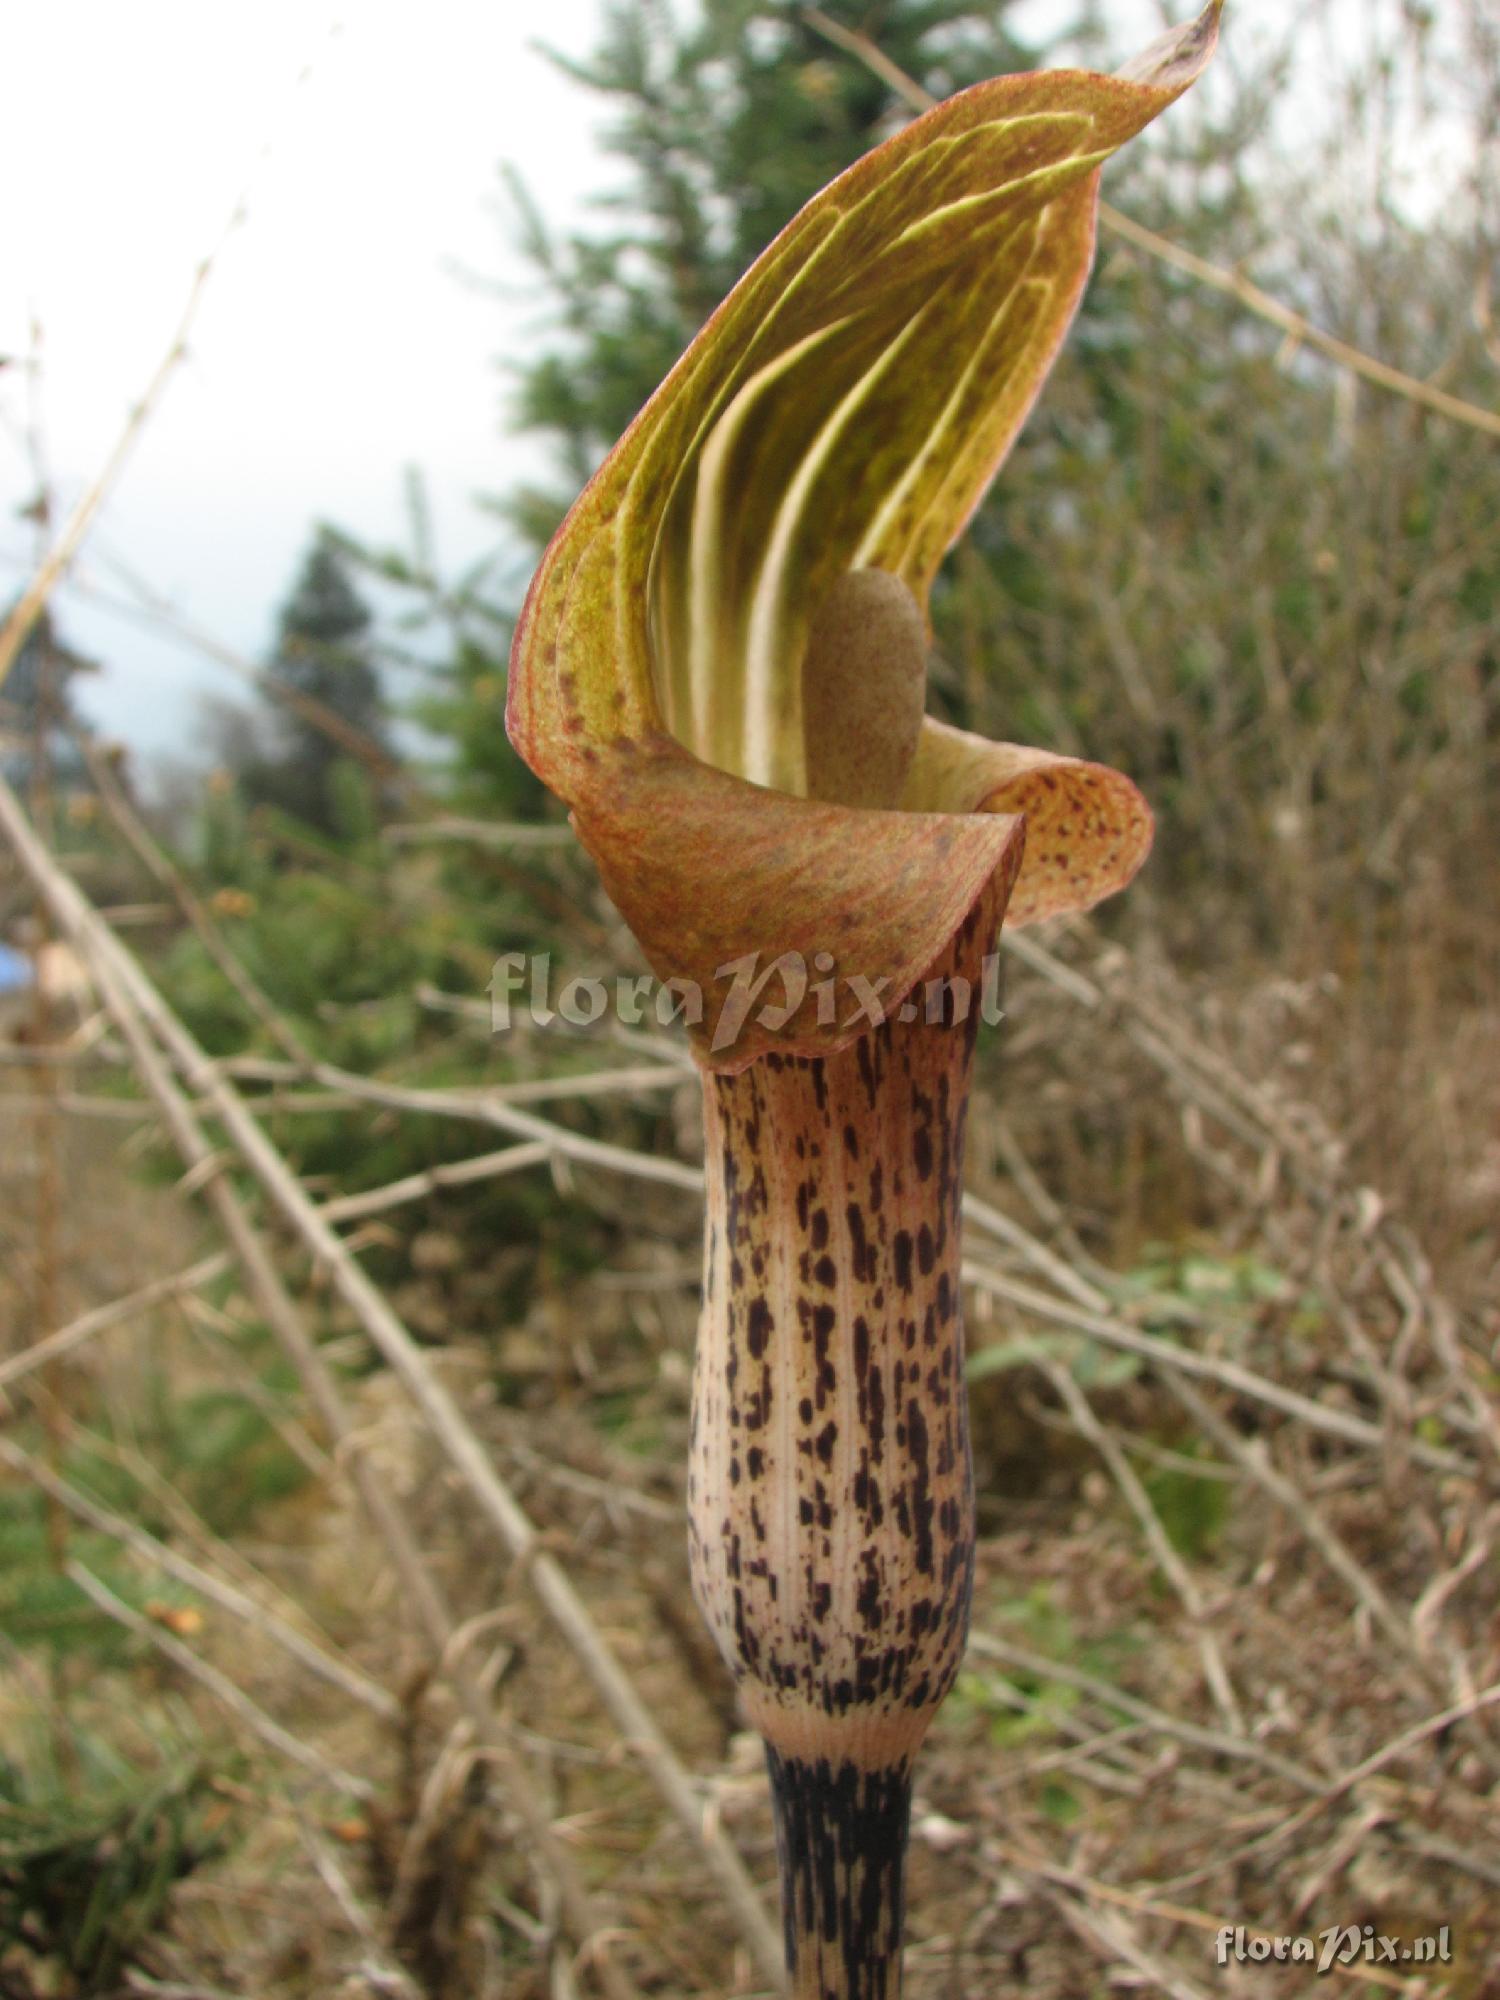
(1234, 1660)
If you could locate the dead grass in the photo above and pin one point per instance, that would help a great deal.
(1242, 1170)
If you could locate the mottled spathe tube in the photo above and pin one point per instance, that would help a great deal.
(829, 1490)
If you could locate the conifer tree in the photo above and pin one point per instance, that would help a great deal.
(37, 699)
(324, 652)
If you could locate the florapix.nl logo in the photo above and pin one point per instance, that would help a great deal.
(525, 988)
(1330, 1949)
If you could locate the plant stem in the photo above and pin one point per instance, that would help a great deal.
(841, 1846)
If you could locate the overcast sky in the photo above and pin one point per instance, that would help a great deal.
(334, 345)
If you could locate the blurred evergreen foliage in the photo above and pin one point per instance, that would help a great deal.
(37, 698)
(91, 1848)
(325, 654)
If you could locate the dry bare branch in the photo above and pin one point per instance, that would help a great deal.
(1167, 1560)
(165, 871)
(1245, 1749)
(1115, 1332)
(1298, 329)
(224, 1691)
(416, 1187)
(481, 832)
(66, 1338)
(315, 1656)
(135, 1002)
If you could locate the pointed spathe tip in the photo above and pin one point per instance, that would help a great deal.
(1177, 58)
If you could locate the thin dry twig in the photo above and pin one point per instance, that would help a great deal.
(1213, 1368)
(379, 1972)
(490, 1107)
(29, 607)
(1389, 1753)
(1253, 1456)
(1094, 1891)
(1167, 1560)
(1294, 325)
(535, 1090)
(165, 871)
(115, 1313)
(224, 1691)
(417, 1187)
(1114, 1940)
(1214, 1742)
(55, 563)
(1057, 1270)
(76, 1105)
(134, 1001)
(313, 1655)
(480, 832)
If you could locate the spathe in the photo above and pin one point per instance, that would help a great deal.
(844, 409)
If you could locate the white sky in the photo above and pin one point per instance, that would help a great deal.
(333, 347)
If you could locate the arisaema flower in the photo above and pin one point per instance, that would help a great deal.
(721, 668)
